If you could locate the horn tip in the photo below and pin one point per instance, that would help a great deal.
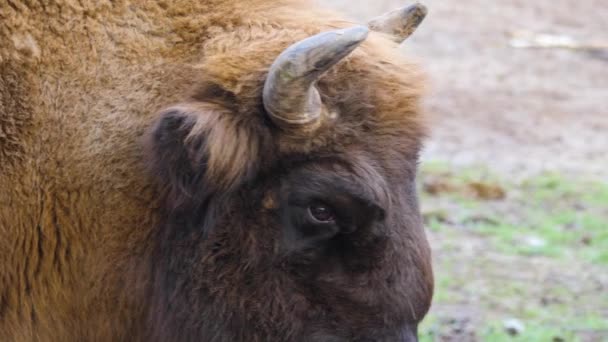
(417, 11)
(401, 22)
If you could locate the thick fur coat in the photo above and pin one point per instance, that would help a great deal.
(140, 178)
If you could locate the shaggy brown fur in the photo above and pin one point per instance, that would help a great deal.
(109, 234)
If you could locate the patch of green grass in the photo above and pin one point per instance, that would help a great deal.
(546, 330)
(427, 329)
(443, 289)
(434, 222)
(550, 215)
(494, 332)
(559, 233)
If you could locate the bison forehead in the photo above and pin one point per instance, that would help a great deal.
(372, 95)
(225, 134)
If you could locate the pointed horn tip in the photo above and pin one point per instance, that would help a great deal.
(400, 23)
(419, 8)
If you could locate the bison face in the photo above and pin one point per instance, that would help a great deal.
(325, 209)
(290, 211)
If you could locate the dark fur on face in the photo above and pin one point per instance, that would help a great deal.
(241, 257)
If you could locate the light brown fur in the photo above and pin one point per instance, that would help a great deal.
(81, 82)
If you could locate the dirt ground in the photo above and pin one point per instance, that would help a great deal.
(519, 113)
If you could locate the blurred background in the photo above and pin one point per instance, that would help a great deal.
(514, 178)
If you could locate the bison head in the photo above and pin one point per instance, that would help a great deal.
(290, 210)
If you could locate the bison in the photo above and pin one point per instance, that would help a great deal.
(208, 170)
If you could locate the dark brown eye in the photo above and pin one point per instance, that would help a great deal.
(321, 213)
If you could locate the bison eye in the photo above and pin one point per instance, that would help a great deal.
(321, 213)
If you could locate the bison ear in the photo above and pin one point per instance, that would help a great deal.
(197, 149)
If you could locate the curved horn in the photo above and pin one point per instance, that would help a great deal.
(290, 96)
(401, 22)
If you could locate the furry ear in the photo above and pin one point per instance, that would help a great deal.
(197, 149)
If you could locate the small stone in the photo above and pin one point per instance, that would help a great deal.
(513, 326)
(586, 240)
(535, 242)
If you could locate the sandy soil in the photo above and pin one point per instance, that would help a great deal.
(521, 111)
